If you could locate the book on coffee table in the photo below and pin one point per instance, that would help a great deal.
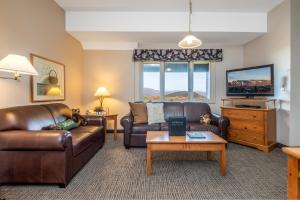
(197, 135)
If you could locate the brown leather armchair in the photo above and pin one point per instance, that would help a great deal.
(135, 134)
(29, 154)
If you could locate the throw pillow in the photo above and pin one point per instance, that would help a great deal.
(139, 112)
(155, 113)
(67, 125)
(205, 118)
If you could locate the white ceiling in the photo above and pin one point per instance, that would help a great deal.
(170, 5)
(226, 22)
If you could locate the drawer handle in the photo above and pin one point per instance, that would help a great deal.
(254, 138)
(254, 116)
(245, 128)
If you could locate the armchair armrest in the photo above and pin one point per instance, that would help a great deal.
(222, 123)
(93, 120)
(34, 140)
(127, 122)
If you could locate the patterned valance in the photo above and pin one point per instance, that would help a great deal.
(143, 55)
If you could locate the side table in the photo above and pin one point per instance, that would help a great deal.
(113, 117)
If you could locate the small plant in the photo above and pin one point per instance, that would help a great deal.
(98, 109)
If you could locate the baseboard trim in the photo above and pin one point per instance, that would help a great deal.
(279, 145)
(112, 131)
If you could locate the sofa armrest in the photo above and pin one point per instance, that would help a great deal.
(222, 123)
(34, 140)
(93, 120)
(127, 123)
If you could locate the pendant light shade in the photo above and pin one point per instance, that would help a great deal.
(190, 41)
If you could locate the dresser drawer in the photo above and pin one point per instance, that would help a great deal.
(254, 138)
(247, 125)
(243, 114)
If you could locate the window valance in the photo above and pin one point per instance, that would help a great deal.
(143, 55)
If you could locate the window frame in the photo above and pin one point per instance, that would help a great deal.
(139, 96)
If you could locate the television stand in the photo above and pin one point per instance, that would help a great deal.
(248, 106)
(252, 122)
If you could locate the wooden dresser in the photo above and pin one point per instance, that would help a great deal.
(251, 127)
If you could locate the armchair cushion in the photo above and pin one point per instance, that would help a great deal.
(34, 140)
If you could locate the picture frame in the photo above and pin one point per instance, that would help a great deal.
(49, 84)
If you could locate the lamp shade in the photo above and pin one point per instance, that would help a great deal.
(189, 42)
(102, 92)
(17, 64)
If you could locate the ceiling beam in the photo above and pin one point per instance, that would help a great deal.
(95, 21)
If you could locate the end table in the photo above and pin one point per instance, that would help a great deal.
(113, 117)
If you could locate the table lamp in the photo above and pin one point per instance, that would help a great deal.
(101, 93)
(18, 65)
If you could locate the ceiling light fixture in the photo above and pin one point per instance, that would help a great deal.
(190, 41)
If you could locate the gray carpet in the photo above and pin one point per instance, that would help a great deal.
(116, 173)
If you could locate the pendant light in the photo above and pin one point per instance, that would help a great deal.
(190, 41)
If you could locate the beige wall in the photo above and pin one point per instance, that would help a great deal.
(38, 26)
(115, 71)
(274, 48)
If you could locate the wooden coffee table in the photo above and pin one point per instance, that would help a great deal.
(161, 141)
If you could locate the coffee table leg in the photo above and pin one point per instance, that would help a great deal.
(148, 159)
(223, 161)
(209, 155)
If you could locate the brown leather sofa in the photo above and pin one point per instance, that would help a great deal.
(31, 155)
(135, 134)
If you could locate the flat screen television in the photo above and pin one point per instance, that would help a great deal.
(251, 81)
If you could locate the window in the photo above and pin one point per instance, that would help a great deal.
(151, 81)
(176, 81)
(201, 81)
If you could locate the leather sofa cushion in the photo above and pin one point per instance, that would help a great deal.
(173, 109)
(83, 137)
(32, 118)
(193, 110)
(139, 112)
(203, 127)
(143, 128)
(59, 111)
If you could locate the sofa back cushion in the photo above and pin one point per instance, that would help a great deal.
(32, 118)
(173, 109)
(193, 110)
(59, 111)
(139, 112)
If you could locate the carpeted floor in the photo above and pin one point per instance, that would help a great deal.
(116, 173)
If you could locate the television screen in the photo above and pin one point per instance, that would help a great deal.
(252, 81)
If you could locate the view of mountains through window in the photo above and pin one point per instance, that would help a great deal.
(176, 81)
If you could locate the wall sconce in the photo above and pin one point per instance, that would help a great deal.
(18, 65)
